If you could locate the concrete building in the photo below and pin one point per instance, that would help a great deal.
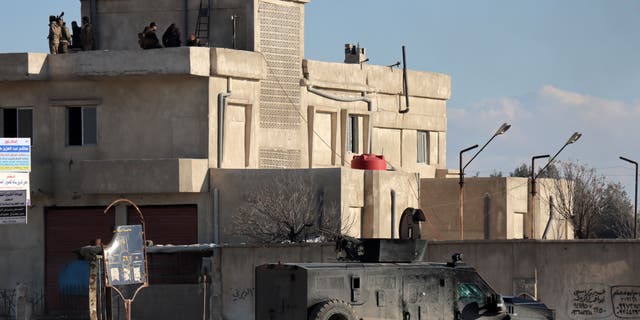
(494, 208)
(183, 131)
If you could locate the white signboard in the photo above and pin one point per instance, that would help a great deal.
(15, 181)
(13, 206)
(15, 154)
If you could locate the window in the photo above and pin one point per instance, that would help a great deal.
(423, 147)
(81, 126)
(469, 293)
(353, 130)
(17, 123)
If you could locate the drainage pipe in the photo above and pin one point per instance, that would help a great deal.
(363, 98)
(222, 103)
(393, 214)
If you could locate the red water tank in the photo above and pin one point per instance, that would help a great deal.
(369, 161)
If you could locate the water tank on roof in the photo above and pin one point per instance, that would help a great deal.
(369, 162)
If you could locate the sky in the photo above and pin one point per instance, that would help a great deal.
(547, 67)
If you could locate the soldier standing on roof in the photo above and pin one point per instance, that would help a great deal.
(55, 34)
(65, 39)
(86, 35)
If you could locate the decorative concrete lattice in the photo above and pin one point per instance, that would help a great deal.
(280, 44)
(279, 158)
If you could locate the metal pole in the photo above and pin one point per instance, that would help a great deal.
(503, 128)
(635, 203)
(533, 191)
(461, 192)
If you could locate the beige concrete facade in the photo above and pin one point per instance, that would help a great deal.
(159, 140)
(494, 208)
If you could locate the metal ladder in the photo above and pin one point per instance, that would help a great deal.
(203, 22)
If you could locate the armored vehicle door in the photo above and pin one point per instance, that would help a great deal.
(427, 297)
(474, 297)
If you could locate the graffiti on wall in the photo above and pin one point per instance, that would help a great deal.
(242, 294)
(597, 301)
(10, 300)
(626, 301)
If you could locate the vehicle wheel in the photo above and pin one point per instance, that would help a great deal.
(332, 310)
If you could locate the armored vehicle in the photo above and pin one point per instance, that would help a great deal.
(402, 291)
(389, 281)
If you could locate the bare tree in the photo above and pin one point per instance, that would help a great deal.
(595, 207)
(288, 210)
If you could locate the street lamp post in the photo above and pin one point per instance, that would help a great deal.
(461, 192)
(574, 137)
(533, 191)
(503, 128)
(635, 203)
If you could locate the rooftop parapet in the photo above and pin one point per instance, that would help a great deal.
(23, 66)
(376, 79)
(194, 61)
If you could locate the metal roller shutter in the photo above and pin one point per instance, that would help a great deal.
(66, 231)
(177, 225)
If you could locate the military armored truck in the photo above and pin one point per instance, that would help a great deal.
(386, 279)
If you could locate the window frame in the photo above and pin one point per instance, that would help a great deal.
(353, 133)
(17, 122)
(425, 145)
(83, 129)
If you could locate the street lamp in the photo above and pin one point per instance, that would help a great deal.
(574, 137)
(635, 203)
(503, 128)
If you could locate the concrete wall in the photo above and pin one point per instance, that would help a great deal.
(233, 274)
(133, 115)
(580, 279)
(573, 277)
(494, 208)
(382, 216)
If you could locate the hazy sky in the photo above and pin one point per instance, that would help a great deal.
(548, 67)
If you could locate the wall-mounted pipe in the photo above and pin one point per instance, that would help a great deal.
(234, 25)
(393, 214)
(363, 98)
(404, 81)
(216, 213)
(222, 103)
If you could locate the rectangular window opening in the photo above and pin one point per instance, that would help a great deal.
(355, 282)
(423, 147)
(353, 134)
(82, 126)
(17, 123)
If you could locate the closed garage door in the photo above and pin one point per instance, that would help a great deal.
(177, 225)
(66, 275)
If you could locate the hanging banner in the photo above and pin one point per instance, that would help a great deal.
(13, 206)
(15, 154)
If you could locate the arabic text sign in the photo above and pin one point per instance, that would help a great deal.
(15, 154)
(15, 181)
(13, 206)
(124, 257)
